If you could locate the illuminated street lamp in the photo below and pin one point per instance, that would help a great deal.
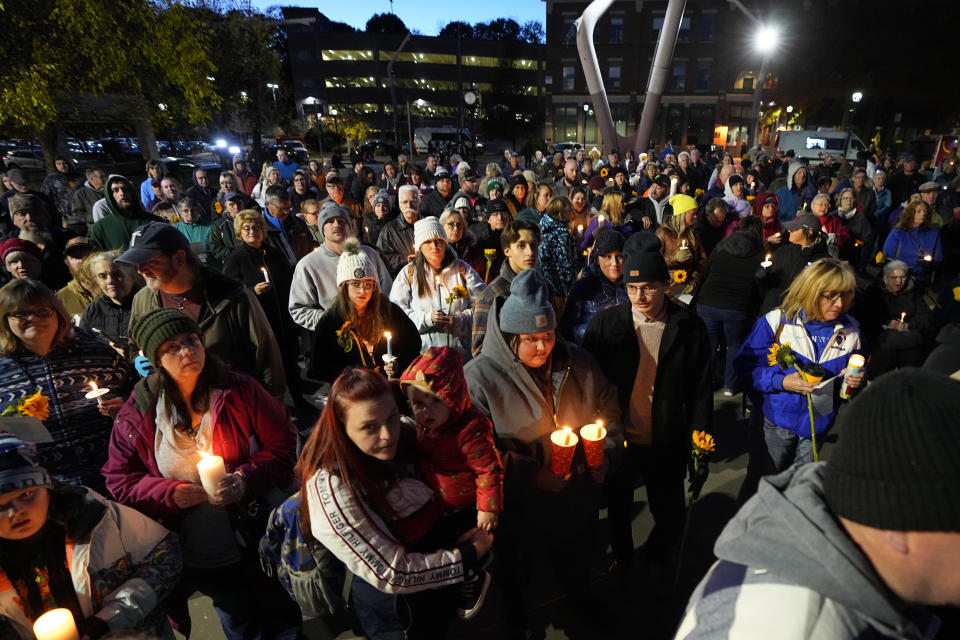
(273, 87)
(856, 97)
(765, 40)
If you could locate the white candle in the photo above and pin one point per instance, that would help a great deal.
(928, 258)
(767, 262)
(76, 320)
(683, 244)
(266, 276)
(600, 221)
(436, 280)
(903, 316)
(580, 229)
(96, 393)
(56, 624)
(388, 336)
(211, 471)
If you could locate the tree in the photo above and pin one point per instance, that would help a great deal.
(141, 52)
(386, 23)
(532, 32)
(450, 30)
(499, 30)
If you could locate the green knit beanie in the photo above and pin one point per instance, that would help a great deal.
(158, 326)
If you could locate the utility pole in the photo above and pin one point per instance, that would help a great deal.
(393, 87)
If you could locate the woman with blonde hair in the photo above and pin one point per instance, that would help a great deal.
(813, 321)
(611, 216)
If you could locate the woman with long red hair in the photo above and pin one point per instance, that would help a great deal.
(363, 502)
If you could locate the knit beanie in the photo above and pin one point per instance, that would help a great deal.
(382, 198)
(682, 203)
(529, 308)
(354, 263)
(427, 229)
(331, 210)
(158, 326)
(608, 240)
(642, 260)
(17, 245)
(19, 466)
(494, 183)
(597, 183)
(439, 372)
(895, 466)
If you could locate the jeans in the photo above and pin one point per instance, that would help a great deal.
(772, 449)
(730, 327)
(376, 611)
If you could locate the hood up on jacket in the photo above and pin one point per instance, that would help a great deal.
(741, 244)
(112, 204)
(439, 372)
(204, 190)
(761, 199)
(788, 530)
(791, 171)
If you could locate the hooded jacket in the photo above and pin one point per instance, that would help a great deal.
(787, 569)
(113, 231)
(458, 458)
(728, 278)
(793, 199)
(246, 178)
(592, 293)
(740, 206)
(81, 213)
(203, 195)
(838, 340)
(522, 410)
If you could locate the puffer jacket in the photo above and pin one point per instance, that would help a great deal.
(592, 293)
(123, 565)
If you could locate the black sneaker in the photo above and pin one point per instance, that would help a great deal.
(472, 595)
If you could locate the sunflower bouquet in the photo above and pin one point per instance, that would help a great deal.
(459, 292)
(783, 356)
(346, 337)
(35, 406)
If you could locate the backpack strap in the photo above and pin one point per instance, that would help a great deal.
(410, 273)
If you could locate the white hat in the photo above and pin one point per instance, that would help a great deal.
(355, 263)
(461, 202)
(427, 229)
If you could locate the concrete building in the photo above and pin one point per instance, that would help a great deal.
(708, 97)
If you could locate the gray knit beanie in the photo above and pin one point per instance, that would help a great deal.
(528, 309)
(896, 463)
(19, 465)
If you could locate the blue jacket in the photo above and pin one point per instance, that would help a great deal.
(590, 294)
(910, 246)
(792, 200)
(829, 345)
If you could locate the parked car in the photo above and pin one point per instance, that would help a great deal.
(182, 169)
(561, 147)
(25, 160)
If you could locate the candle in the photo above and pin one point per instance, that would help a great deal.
(266, 276)
(211, 471)
(903, 316)
(96, 393)
(593, 436)
(580, 229)
(367, 230)
(854, 366)
(76, 320)
(600, 220)
(564, 441)
(56, 624)
(436, 281)
(683, 244)
(388, 336)
(777, 235)
(767, 261)
(928, 258)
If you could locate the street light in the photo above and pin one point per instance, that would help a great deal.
(336, 126)
(273, 87)
(789, 108)
(766, 39)
(857, 97)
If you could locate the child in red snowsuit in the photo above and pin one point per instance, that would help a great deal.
(456, 452)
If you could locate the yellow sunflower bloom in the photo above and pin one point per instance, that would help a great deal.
(36, 406)
(679, 276)
(704, 441)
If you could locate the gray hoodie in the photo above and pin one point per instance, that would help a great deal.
(787, 569)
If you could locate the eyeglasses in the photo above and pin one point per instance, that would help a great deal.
(362, 285)
(40, 312)
(834, 298)
(175, 348)
(646, 290)
(454, 225)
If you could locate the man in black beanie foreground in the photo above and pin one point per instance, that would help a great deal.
(654, 351)
(847, 548)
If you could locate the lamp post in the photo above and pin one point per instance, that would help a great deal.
(336, 126)
(765, 41)
(316, 104)
(273, 87)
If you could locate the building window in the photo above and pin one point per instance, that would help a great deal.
(569, 76)
(569, 31)
(614, 76)
(703, 76)
(656, 27)
(708, 24)
(616, 30)
(746, 81)
(684, 34)
(565, 124)
(678, 76)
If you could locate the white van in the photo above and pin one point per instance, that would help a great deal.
(813, 144)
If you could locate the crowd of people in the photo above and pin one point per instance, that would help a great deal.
(316, 391)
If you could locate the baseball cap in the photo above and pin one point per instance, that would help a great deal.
(804, 220)
(151, 239)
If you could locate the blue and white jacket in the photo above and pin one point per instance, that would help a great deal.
(828, 344)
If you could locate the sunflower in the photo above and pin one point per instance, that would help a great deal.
(457, 293)
(218, 206)
(704, 441)
(679, 276)
(604, 172)
(36, 406)
(879, 257)
(489, 254)
(781, 354)
(345, 336)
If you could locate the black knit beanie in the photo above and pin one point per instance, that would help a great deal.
(608, 240)
(158, 326)
(897, 464)
(642, 260)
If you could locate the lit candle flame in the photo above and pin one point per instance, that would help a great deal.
(903, 316)
(928, 257)
(769, 255)
(387, 335)
(203, 454)
(93, 385)
(436, 279)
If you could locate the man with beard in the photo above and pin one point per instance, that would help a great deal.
(396, 239)
(314, 283)
(222, 307)
(436, 201)
(126, 216)
(169, 194)
(470, 189)
(85, 198)
(31, 222)
(60, 186)
(18, 184)
(571, 178)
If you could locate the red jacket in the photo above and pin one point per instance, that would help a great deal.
(251, 431)
(461, 463)
(246, 180)
(832, 224)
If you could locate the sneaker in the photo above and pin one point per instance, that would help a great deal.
(728, 393)
(472, 595)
